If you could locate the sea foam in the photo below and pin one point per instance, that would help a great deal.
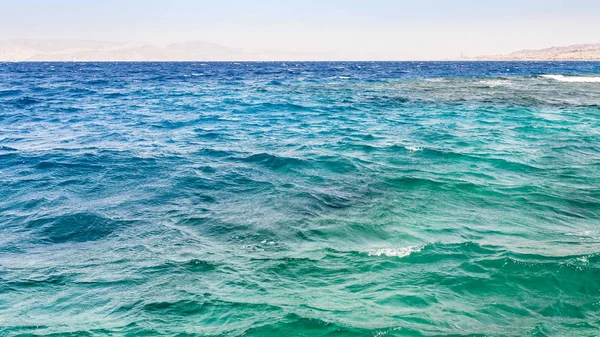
(397, 252)
(574, 79)
(413, 148)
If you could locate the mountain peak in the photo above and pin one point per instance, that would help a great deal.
(576, 52)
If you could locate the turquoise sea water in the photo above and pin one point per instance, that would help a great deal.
(300, 199)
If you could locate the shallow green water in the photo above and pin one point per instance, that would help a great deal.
(312, 199)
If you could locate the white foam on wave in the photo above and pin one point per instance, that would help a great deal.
(574, 79)
(586, 234)
(395, 252)
(413, 148)
(496, 83)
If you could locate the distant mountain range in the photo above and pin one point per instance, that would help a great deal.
(577, 52)
(71, 50)
(74, 50)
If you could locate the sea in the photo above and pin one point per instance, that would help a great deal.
(300, 199)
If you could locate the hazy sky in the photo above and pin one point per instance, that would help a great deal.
(393, 29)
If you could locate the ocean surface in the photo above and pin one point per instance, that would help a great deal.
(300, 199)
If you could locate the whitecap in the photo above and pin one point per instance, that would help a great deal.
(394, 252)
(574, 79)
(586, 234)
(413, 148)
(496, 83)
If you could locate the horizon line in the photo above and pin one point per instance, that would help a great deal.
(303, 61)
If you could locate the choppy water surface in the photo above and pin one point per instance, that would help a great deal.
(300, 199)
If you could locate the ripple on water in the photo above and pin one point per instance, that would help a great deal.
(314, 199)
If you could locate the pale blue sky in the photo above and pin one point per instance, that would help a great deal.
(423, 29)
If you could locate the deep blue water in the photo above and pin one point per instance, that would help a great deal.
(300, 199)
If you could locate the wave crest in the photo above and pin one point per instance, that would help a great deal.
(573, 79)
(395, 252)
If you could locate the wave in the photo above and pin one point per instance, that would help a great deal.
(384, 101)
(24, 102)
(272, 161)
(573, 79)
(496, 256)
(10, 92)
(413, 148)
(77, 227)
(496, 83)
(192, 265)
(7, 149)
(395, 252)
